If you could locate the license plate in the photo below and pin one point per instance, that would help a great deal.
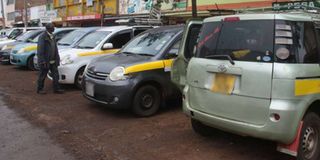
(223, 83)
(89, 89)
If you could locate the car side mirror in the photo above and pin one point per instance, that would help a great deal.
(173, 53)
(107, 46)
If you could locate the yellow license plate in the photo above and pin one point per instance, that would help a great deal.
(223, 83)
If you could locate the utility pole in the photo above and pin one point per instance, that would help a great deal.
(3, 16)
(194, 8)
(102, 13)
(25, 14)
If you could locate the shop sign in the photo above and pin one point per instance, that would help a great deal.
(89, 3)
(134, 6)
(173, 5)
(37, 12)
(84, 17)
(294, 5)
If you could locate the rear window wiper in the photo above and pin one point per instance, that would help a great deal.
(221, 56)
(127, 53)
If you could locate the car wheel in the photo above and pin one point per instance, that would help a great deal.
(309, 145)
(201, 128)
(30, 64)
(79, 77)
(146, 101)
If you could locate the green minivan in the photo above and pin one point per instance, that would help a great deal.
(254, 75)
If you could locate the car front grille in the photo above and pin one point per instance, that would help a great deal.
(97, 75)
(14, 51)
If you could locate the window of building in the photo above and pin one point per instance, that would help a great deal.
(10, 2)
(11, 16)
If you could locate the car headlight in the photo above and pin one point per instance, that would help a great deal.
(117, 74)
(66, 60)
(4, 47)
(21, 50)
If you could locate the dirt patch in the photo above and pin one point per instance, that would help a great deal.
(91, 131)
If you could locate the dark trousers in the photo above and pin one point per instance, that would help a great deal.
(43, 74)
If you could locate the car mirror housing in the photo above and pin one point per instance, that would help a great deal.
(107, 46)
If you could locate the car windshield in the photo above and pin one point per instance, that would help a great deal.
(92, 40)
(246, 40)
(29, 35)
(149, 43)
(71, 38)
(15, 33)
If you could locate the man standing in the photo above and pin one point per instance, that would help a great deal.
(48, 59)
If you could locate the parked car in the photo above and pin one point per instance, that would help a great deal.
(107, 40)
(138, 76)
(255, 75)
(27, 37)
(69, 41)
(22, 55)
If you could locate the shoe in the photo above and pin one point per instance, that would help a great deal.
(41, 92)
(59, 91)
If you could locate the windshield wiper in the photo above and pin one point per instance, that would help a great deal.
(84, 47)
(221, 56)
(128, 53)
(64, 44)
(145, 54)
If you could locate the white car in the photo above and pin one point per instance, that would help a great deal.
(107, 40)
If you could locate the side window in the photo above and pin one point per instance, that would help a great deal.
(174, 50)
(120, 39)
(192, 40)
(138, 31)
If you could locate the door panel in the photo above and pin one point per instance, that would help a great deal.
(249, 98)
(179, 66)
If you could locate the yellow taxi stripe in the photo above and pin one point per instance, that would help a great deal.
(30, 48)
(149, 66)
(92, 53)
(307, 86)
(168, 63)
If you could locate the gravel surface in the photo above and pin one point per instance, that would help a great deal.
(92, 132)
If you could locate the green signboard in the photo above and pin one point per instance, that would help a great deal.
(295, 5)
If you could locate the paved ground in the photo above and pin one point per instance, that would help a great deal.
(19, 140)
(91, 132)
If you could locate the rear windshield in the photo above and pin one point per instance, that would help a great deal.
(246, 40)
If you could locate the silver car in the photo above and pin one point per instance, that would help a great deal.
(255, 75)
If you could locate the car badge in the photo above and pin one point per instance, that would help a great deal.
(222, 68)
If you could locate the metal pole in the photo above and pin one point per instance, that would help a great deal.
(3, 16)
(102, 13)
(25, 14)
(194, 8)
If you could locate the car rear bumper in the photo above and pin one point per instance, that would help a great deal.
(283, 131)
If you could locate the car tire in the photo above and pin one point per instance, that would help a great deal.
(30, 64)
(79, 77)
(201, 128)
(147, 101)
(309, 144)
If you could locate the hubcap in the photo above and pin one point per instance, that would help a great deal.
(80, 78)
(310, 142)
(147, 101)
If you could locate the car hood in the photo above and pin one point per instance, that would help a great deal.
(72, 51)
(31, 46)
(106, 63)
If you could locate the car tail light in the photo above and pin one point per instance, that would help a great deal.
(231, 19)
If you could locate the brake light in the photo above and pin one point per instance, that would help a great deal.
(231, 19)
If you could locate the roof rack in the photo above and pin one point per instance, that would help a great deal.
(313, 12)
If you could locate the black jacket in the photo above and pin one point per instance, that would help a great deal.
(44, 49)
